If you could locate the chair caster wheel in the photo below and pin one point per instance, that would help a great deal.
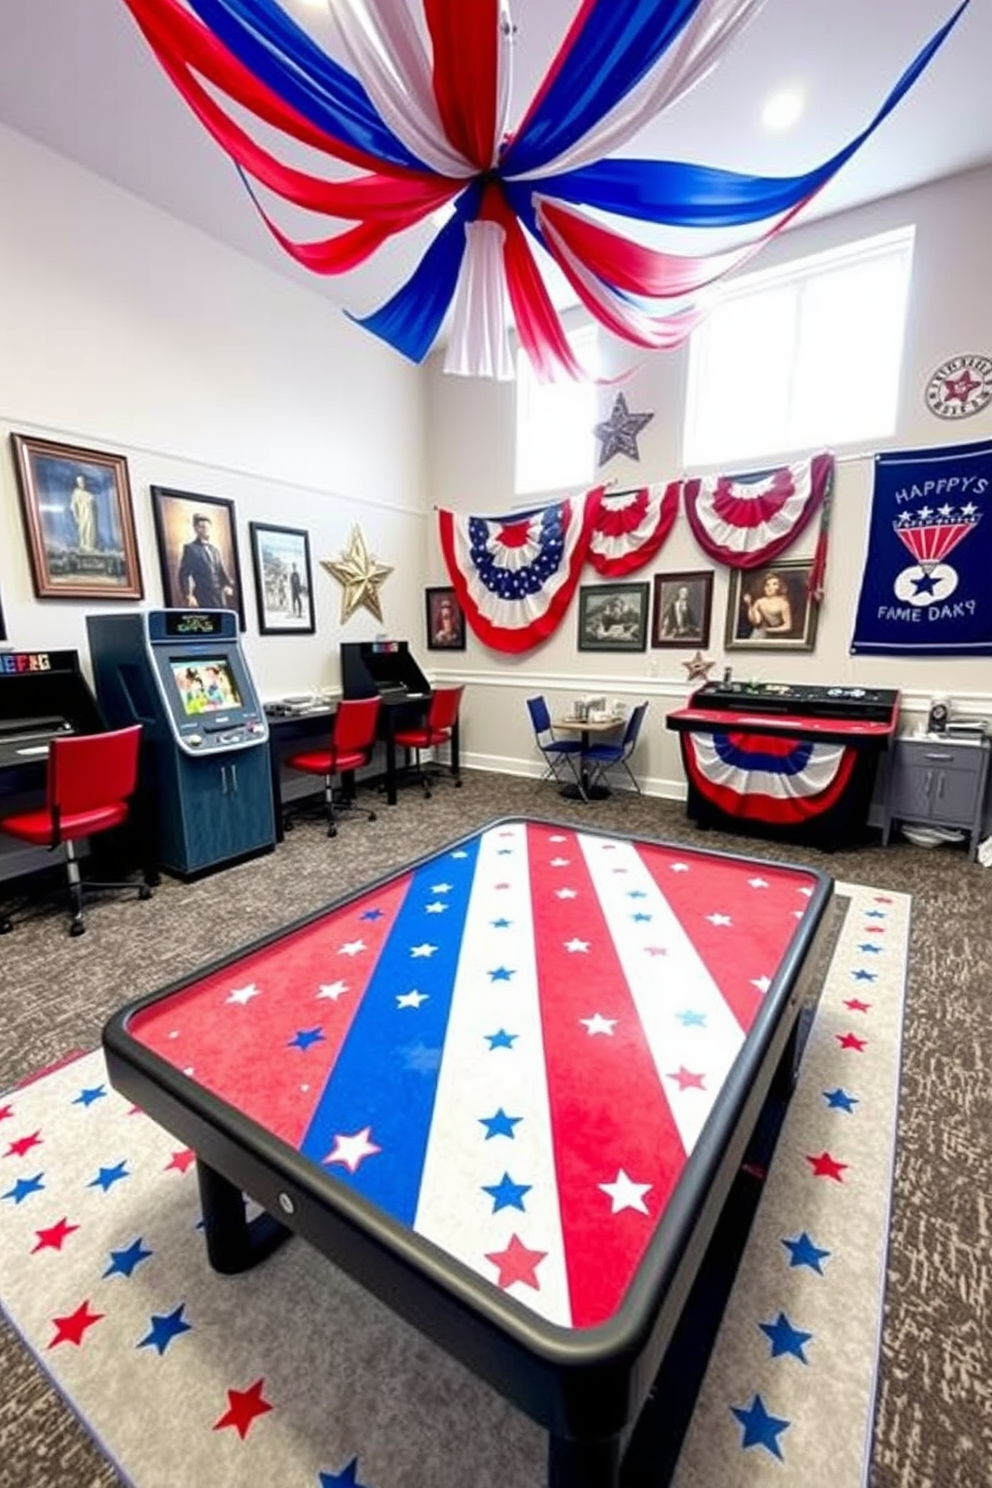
(144, 892)
(288, 826)
(6, 926)
(332, 831)
(428, 795)
(458, 784)
(372, 816)
(77, 927)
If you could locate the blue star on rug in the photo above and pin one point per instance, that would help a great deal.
(760, 1428)
(785, 1339)
(618, 434)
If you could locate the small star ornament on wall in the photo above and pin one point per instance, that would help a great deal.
(698, 668)
(618, 435)
(360, 576)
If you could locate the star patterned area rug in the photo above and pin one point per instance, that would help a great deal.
(291, 1374)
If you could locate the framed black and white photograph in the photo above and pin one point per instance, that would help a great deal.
(771, 609)
(613, 617)
(283, 583)
(197, 551)
(445, 621)
(78, 521)
(682, 606)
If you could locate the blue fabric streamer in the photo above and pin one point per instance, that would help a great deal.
(619, 43)
(282, 56)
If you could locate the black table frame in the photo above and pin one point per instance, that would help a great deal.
(585, 1387)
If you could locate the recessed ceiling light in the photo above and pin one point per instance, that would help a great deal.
(783, 109)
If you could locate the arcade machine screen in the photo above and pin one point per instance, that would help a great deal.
(206, 686)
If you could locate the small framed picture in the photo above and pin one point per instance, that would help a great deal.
(197, 551)
(283, 583)
(770, 609)
(682, 605)
(78, 521)
(445, 621)
(613, 617)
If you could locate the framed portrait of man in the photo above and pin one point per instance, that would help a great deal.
(197, 551)
(283, 581)
(682, 605)
(445, 621)
(771, 609)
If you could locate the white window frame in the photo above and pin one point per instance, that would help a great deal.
(554, 444)
(725, 423)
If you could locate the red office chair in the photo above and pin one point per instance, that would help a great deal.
(352, 743)
(442, 715)
(90, 780)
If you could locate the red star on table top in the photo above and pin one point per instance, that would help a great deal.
(850, 1041)
(686, 1079)
(826, 1166)
(6, 1112)
(961, 387)
(699, 667)
(23, 1144)
(70, 1329)
(517, 1263)
(53, 1236)
(183, 1160)
(243, 1406)
(656, 950)
(856, 1005)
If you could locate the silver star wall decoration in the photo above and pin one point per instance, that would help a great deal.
(618, 435)
(360, 576)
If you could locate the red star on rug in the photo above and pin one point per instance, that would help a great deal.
(70, 1329)
(850, 1041)
(182, 1160)
(23, 1144)
(243, 1406)
(826, 1166)
(881, 899)
(874, 929)
(686, 1079)
(517, 1263)
(52, 1238)
(856, 1005)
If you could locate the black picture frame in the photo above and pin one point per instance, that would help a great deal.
(784, 588)
(445, 620)
(682, 619)
(78, 521)
(175, 513)
(280, 559)
(613, 617)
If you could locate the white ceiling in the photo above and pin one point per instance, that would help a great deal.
(77, 76)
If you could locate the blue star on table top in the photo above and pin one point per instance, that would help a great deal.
(507, 1194)
(691, 1018)
(760, 1428)
(123, 1262)
(371, 914)
(500, 1124)
(641, 918)
(500, 974)
(839, 1099)
(802, 1252)
(785, 1339)
(501, 1040)
(88, 1096)
(107, 1177)
(164, 1328)
(305, 1038)
(501, 924)
(636, 894)
(23, 1187)
(346, 1479)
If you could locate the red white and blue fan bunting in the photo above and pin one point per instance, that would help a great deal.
(515, 576)
(413, 98)
(631, 526)
(747, 521)
(765, 778)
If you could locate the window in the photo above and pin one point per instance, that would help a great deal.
(555, 440)
(800, 357)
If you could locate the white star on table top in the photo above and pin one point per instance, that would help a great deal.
(566, 893)
(576, 945)
(719, 919)
(436, 908)
(680, 867)
(758, 883)
(351, 948)
(559, 863)
(423, 950)
(598, 1024)
(360, 576)
(441, 888)
(626, 1194)
(351, 1151)
(333, 990)
(410, 999)
(762, 983)
(243, 995)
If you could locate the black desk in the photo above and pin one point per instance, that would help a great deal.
(567, 1303)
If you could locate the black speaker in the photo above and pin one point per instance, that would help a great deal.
(937, 717)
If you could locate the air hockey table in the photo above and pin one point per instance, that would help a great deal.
(506, 1088)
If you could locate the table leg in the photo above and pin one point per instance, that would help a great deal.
(234, 1242)
(390, 765)
(583, 1464)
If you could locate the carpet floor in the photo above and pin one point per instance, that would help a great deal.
(934, 1413)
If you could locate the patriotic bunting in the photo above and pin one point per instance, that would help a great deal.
(415, 102)
(760, 777)
(515, 576)
(631, 526)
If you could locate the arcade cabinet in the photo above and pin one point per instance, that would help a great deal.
(206, 789)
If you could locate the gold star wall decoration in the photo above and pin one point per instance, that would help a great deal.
(698, 667)
(357, 571)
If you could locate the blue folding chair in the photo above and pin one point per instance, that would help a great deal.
(599, 759)
(559, 754)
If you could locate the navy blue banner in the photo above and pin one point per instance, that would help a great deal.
(926, 584)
